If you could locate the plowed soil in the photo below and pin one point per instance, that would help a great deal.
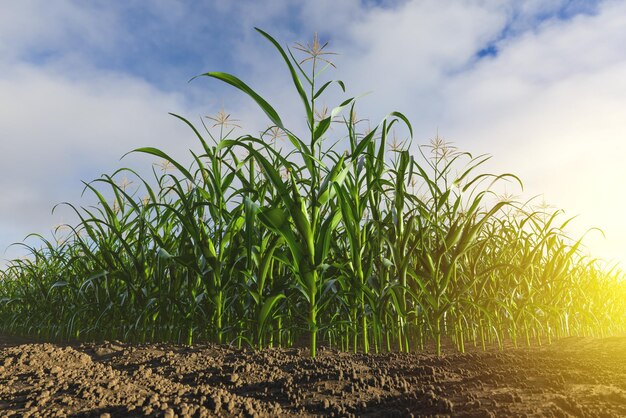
(580, 377)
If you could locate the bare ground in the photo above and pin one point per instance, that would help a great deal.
(579, 377)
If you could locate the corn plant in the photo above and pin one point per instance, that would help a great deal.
(380, 247)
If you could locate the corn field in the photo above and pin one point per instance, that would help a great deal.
(372, 248)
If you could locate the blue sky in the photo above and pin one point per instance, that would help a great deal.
(540, 85)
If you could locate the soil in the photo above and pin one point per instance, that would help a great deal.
(580, 377)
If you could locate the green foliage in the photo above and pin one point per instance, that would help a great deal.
(375, 248)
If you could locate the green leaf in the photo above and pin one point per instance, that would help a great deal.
(162, 253)
(240, 85)
(321, 128)
(264, 314)
(193, 128)
(278, 221)
(362, 145)
(294, 75)
(274, 218)
(322, 245)
(328, 83)
(158, 153)
(337, 175)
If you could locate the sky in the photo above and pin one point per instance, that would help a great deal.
(538, 84)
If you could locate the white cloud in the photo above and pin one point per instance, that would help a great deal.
(549, 105)
(55, 132)
(31, 27)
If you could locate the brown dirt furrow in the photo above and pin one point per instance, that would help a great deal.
(574, 377)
